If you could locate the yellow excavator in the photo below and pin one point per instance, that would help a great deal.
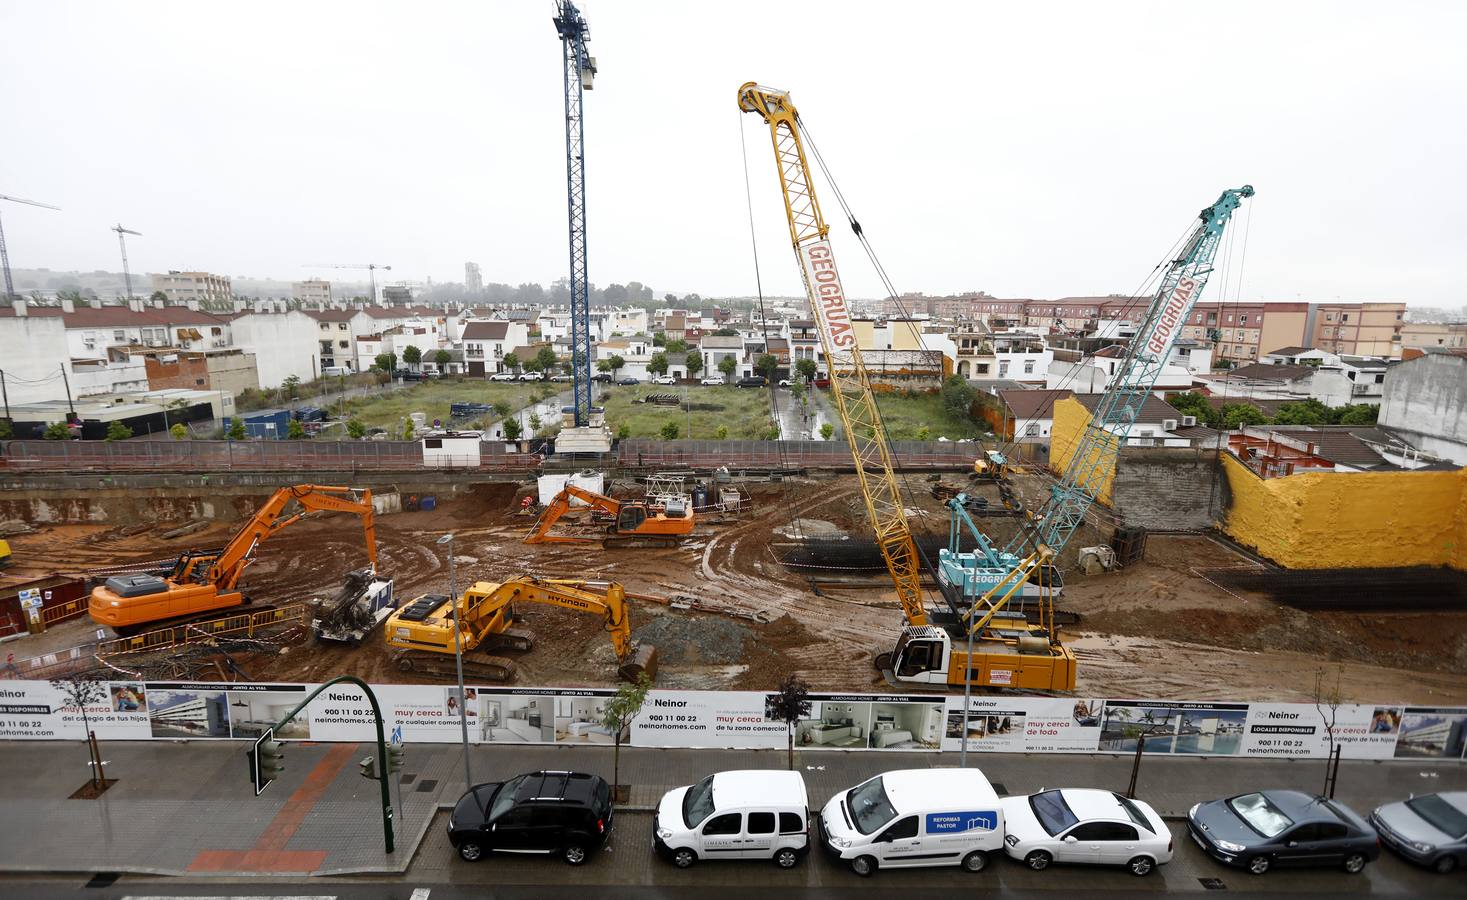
(422, 632)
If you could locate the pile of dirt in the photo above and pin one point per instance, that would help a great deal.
(701, 640)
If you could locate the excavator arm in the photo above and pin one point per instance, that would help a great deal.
(559, 506)
(231, 562)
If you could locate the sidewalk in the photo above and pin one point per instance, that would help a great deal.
(188, 807)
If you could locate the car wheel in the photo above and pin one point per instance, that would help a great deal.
(470, 851)
(976, 861)
(1141, 866)
(1444, 864)
(864, 865)
(786, 858)
(574, 853)
(684, 858)
(1355, 862)
(1038, 860)
(1259, 864)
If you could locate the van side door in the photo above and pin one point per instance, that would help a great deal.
(899, 845)
(722, 836)
(760, 833)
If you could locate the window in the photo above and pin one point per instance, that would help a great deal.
(340, 326)
(216, 331)
(1133, 812)
(1332, 831)
(1260, 815)
(1345, 317)
(1032, 428)
(1028, 367)
(1243, 319)
(1230, 317)
(1304, 834)
(728, 823)
(903, 829)
(791, 823)
(341, 344)
(198, 381)
(119, 335)
(1052, 811)
(761, 823)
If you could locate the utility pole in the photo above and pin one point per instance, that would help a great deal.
(67, 382)
(122, 242)
(5, 254)
(5, 394)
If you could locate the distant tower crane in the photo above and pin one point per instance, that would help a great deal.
(122, 242)
(4, 254)
(371, 273)
(580, 71)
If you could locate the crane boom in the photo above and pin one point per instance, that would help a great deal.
(1100, 444)
(849, 383)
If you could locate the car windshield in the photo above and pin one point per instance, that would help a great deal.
(1260, 815)
(504, 798)
(698, 803)
(1440, 814)
(1053, 813)
(869, 806)
(1134, 812)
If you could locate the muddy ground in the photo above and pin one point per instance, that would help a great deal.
(1158, 629)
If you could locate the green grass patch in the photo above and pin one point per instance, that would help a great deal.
(744, 412)
(432, 399)
(905, 414)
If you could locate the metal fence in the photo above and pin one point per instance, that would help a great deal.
(785, 454)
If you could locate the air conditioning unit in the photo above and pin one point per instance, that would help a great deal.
(1168, 424)
(1189, 421)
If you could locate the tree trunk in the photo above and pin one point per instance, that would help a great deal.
(790, 731)
(616, 766)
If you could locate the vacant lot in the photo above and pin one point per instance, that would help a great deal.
(904, 415)
(701, 410)
(432, 399)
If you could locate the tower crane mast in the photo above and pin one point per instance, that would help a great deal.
(580, 72)
(4, 253)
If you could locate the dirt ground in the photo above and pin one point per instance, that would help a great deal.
(1158, 629)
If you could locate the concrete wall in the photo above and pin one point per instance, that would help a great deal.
(284, 344)
(1322, 520)
(33, 349)
(1166, 488)
(1425, 399)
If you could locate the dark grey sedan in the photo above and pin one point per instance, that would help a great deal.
(1430, 830)
(1282, 828)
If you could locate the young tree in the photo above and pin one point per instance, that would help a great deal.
(442, 358)
(408, 431)
(695, 364)
(535, 423)
(502, 409)
(158, 297)
(78, 692)
(290, 387)
(57, 431)
(355, 429)
(387, 362)
(767, 365)
(616, 363)
(806, 368)
(826, 430)
(658, 364)
(659, 339)
(532, 365)
(178, 431)
(1327, 700)
(620, 712)
(669, 431)
(957, 397)
(1237, 415)
(294, 430)
(6, 431)
(727, 366)
(236, 430)
(512, 429)
(924, 433)
(770, 433)
(789, 706)
(624, 432)
(116, 431)
(511, 361)
(603, 365)
(412, 355)
(547, 359)
(676, 346)
(721, 432)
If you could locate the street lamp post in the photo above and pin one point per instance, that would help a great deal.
(458, 657)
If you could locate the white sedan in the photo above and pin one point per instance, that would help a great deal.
(713, 379)
(664, 379)
(1085, 825)
(504, 376)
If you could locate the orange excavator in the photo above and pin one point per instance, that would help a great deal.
(623, 522)
(206, 582)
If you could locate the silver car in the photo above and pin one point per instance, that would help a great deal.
(1430, 830)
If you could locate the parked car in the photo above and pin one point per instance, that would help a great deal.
(915, 817)
(751, 381)
(407, 375)
(785, 382)
(562, 378)
(1430, 830)
(601, 376)
(532, 376)
(504, 376)
(310, 414)
(1084, 825)
(565, 814)
(753, 814)
(629, 381)
(664, 379)
(821, 382)
(713, 379)
(1263, 829)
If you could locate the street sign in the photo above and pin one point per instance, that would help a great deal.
(266, 760)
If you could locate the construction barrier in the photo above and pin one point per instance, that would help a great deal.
(141, 710)
(69, 610)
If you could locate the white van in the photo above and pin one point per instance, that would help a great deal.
(915, 817)
(334, 371)
(748, 814)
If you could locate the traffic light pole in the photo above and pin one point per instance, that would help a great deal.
(381, 744)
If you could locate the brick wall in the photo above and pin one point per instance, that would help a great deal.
(1166, 488)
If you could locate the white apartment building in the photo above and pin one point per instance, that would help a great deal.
(181, 287)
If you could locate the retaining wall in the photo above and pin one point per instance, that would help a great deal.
(1166, 489)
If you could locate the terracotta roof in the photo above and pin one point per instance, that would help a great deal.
(382, 312)
(1033, 404)
(1266, 372)
(486, 331)
(122, 317)
(1344, 444)
(331, 315)
(1289, 351)
(1153, 410)
(1111, 351)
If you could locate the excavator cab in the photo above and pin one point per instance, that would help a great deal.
(921, 655)
(631, 518)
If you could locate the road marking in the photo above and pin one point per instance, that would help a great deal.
(420, 894)
(235, 897)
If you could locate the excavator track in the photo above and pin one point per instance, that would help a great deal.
(476, 668)
(511, 639)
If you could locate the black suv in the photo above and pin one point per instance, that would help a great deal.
(751, 381)
(563, 813)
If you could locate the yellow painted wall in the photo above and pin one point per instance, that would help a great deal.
(1070, 419)
(906, 335)
(1324, 520)
(865, 330)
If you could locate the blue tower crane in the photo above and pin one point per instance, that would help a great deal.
(580, 70)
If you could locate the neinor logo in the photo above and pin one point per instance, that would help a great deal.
(1172, 315)
(825, 285)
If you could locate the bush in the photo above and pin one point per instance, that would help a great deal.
(236, 430)
(178, 431)
(624, 432)
(669, 431)
(512, 429)
(116, 431)
(721, 433)
(355, 429)
(57, 431)
(295, 431)
(826, 431)
(924, 433)
(957, 397)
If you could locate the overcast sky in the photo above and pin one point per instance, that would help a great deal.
(1025, 149)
